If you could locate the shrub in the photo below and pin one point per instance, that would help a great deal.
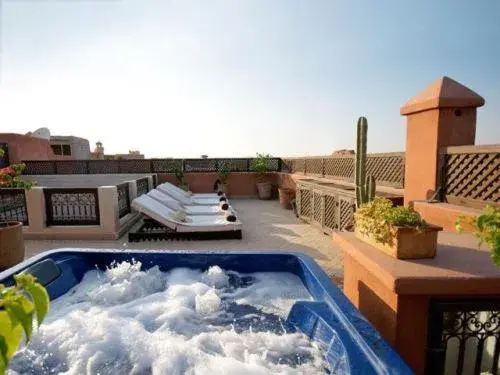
(378, 219)
(486, 228)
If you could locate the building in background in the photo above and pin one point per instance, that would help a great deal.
(41, 145)
(98, 154)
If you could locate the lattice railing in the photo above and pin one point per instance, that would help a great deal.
(123, 199)
(472, 175)
(388, 168)
(142, 186)
(13, 205)
(43, 167)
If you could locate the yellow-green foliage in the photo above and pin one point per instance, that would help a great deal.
(486, 228)
(378, 219)
(18, 306)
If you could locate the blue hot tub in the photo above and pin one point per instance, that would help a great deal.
(351, 344)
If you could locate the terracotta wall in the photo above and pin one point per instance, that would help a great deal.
(25, 147)
(241, 184)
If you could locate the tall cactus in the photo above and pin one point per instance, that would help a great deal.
(365, 185)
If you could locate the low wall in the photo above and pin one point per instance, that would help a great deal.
(240, 184)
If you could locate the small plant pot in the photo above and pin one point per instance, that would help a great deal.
(11, 244)
(286, 196)
(224, 188)
(265, 190)
(407, 243)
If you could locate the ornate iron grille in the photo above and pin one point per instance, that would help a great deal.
(166, 165)
(134, 166)
(123, 199)
(472, 176)
(103, 166)
(463, 337)
(142, 186)
(72, 206)
(13, 205)
(40, 167)
(71, 167)
(305, 203)
(331, 212)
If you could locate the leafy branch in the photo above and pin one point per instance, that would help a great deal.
(18, 306)
(486, 228)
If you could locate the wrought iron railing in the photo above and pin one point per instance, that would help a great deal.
(123, 199)
(142, 186)
(388, 168)
(42, 167)
(13, 205)
(470, 175)
(463, 337)
(72, 206)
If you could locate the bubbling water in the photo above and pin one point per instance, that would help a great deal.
(131, 321)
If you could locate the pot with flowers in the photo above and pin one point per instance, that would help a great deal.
(397, 231)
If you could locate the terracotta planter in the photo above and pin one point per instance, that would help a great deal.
(264, 190)
(11, 244)
(286, 195)
(408, 243)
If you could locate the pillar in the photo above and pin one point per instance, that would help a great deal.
(442, 115)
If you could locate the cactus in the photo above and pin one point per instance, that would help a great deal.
(365, 185)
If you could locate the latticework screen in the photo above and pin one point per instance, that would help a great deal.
(472, 174)
(388, 169)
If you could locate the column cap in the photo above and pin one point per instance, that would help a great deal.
(442, 93)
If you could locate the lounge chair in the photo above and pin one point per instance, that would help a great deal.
(164, 224)
(187, 200)
(175, 205)
(188, 194)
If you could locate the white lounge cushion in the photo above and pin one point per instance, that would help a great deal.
(181, 198)
(200, 223)
(189, 193)
(170, 202)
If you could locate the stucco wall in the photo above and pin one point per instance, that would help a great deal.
(25, 147)
(80, 147)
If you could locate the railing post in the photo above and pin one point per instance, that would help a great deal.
(442, 115)
(108, 209)
(151, 166)
(322, 167)
(35, 207)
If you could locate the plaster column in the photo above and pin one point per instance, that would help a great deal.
(442, 115)
(108, 209)
(35, 206)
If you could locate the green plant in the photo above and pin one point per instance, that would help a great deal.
(18, 306)
(365, 185)
(224, 174)
(261, 163)
(486, 228)
(379, 218)
(179, 175)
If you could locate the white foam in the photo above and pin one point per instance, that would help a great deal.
(128, 321)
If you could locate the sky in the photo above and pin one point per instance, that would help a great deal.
(182, 78)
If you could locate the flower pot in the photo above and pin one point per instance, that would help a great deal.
(11, 244)
(223, 187)
(264, 190)
(286, 195)
(407, 243)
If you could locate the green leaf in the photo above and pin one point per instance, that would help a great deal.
(21, 309)
(41, 300)
(11, 333)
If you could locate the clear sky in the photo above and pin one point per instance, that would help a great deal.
(182, 78)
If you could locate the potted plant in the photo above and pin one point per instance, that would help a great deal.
(179, 175)
(486, 228)
(261, 166)
(397, 231)
(222, 181)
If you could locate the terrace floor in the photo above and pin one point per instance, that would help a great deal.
(266, 226)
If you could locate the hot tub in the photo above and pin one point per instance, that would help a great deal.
(348, 343)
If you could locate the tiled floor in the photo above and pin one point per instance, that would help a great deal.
(266, 227)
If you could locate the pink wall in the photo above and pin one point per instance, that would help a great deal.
(25, 147)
